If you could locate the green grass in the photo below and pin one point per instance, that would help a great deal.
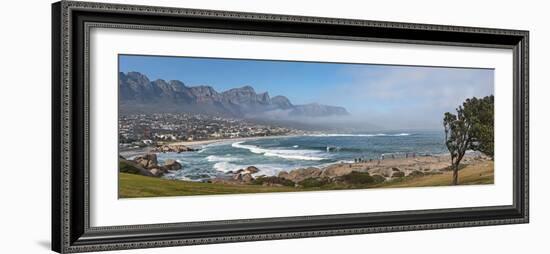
(132, 186)
(137, 186)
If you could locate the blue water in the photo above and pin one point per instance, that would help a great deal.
(272, 155)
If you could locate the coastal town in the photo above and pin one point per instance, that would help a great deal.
(142, 130)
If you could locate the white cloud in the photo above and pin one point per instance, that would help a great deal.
(403, 97)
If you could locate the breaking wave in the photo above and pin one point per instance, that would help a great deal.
(215, 158)
(225, 166)
(285, 154)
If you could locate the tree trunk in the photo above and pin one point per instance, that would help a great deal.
(455, 174)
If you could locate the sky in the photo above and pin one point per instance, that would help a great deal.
(390, 96)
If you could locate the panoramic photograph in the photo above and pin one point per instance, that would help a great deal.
(207, 126)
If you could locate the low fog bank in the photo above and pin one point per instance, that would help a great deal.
(356, 122)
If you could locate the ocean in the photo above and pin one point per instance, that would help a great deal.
(272, 155)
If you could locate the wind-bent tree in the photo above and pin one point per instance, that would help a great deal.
(471, 128)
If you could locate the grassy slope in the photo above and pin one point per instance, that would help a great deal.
(482, 173)
(142, 186)
(131, 185)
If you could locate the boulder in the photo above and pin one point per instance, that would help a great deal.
(156, 172)
(126, 166)
(148, 161)
(172, 165)
(246, 178)
(252, 170)
(299, 175)
(283, 174)
(242, 178)
(336, 170)
(237, 177)
(383, 171)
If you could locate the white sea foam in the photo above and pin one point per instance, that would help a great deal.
(271, 169)
(215, 158)
(265, 169)
(295, 146)
(225, 166)
(309, 155)
(360, 135)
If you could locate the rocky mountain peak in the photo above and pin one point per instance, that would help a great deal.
(137, 77)
(138, 93)
(177, 85)
(281, 102)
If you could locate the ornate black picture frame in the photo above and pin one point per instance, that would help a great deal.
(71, 231)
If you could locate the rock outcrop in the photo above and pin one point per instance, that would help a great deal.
(173, 148)
(243, 178)
(171, 165)
(147, 165)
(147, 161)
(127, 166)
(244, 175)
(337, 170)
(301, 174)
(251, 170)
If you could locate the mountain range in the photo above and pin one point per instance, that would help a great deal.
(139, 94)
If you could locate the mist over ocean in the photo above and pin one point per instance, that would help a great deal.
(274, 154)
